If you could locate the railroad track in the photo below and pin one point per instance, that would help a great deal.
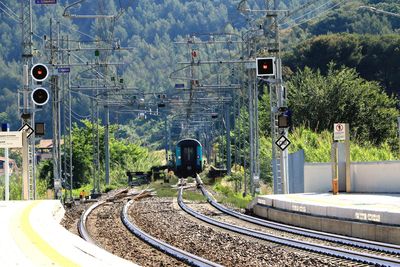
(172, 251)
(355, 256)
(82, 229)
(175, 252)
(345, 240)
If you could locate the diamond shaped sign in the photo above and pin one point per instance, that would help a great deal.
(282, 142)
(26, 127)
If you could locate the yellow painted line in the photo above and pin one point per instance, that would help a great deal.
(41, 244)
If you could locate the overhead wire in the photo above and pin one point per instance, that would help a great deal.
(10, 15)
(317, 16)
(9, 10)
(79, 115)
(309, 12)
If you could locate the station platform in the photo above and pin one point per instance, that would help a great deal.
(31, 235)
(370, 216)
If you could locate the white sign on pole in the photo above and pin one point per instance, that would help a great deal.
(10, 139)
(339, 131)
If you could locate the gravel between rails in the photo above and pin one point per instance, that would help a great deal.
(208, 210)
(106, 228)
(228, 249)
(212, 212)
(72, 215)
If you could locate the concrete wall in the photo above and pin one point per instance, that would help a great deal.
(376, 232)
(296, 172)
(317, 177)
(375, 177)
(366, 177)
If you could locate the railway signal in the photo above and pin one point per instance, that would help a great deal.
(39, 72)
(265, 66)
(40, 96)
(284, 117)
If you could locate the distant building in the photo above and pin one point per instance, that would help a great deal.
(44, 149)
(13, 166)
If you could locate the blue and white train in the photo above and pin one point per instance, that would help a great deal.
(188, 158)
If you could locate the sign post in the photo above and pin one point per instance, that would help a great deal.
(5, 127)
(398, 130)
(347, 151)
(25, 166)
(7, 170)
(8, 140)
(341, 132)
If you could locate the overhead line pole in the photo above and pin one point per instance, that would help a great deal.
(55, 114)
(281, 170)
(28, 190)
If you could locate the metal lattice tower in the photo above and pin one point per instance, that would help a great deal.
(277, 100)
(67, 124)
(27, 107)
(56, 114)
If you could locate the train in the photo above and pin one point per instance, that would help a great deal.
(188, 158)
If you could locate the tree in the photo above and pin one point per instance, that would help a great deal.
(319, 101)
(376, 58)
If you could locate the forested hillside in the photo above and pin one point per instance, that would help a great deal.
(149, 28)
(375, 57)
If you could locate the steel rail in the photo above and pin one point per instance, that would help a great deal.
(345, 240)
(83, 232)
(303, 245)
(175, 252)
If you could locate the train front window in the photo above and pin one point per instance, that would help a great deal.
(188, 154)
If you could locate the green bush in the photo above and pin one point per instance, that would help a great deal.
(229, 196)
(317, 147)
(194, 196)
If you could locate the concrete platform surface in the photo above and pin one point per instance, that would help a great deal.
(373, 208)
(32, 236)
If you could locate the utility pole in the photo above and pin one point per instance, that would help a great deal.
(166, 138)
(27, 108)
(278, 93)
(69, 113)
(228, 139)
(106, 142)
(54, 44)
(251, 121)
(67, 118)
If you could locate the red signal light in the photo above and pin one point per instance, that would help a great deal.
(265, 66)
(39, 72)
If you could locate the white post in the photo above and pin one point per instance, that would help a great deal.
(7, 175)
(25, 166)
(7, 171)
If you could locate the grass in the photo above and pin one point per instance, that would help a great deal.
(317, 147)
(163, 189)
(193, 196)
(227, 195)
